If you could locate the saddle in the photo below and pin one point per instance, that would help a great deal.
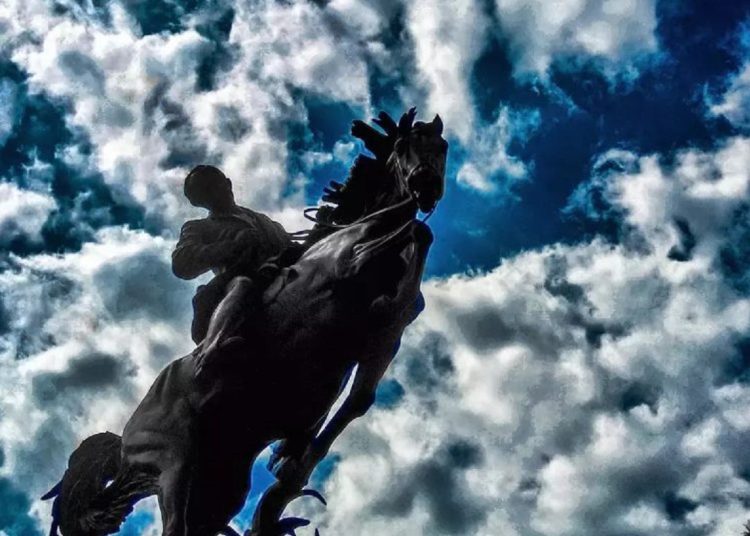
(207, 297)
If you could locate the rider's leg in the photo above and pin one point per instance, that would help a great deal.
(229, 315)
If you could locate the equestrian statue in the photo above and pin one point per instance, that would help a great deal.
(285, 321)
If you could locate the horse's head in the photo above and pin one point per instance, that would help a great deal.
(418, 159)
(368, 236)
(409, 164)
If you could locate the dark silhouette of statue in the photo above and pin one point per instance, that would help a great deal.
(281, 328)
(232, 241)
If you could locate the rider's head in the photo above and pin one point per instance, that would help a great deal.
(207, 187)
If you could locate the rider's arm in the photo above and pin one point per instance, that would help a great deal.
(202, 246)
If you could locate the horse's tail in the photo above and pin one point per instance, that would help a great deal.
(96, 492)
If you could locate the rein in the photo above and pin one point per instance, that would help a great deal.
(301, 235)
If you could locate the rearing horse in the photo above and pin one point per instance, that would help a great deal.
(342, 306)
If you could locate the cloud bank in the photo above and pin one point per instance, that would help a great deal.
(592, 385)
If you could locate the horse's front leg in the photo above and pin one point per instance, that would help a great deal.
(292, 448)
(294, 473)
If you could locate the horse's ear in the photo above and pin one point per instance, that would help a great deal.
(437, 124)
(406, 121)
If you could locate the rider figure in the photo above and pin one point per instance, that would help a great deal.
(233, 242)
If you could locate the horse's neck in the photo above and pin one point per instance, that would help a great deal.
(391, 194)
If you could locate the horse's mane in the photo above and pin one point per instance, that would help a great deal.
(367, 175)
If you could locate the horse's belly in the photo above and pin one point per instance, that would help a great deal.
(160, 427)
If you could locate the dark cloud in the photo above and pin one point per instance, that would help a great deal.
(452, 507)
(92, 373)
(230, 124)
(463, 454)
(41, 460)
(143, 286)
(734, 257)
(85, 70)
(29, 332)
(683, 250)
(116, 115)
(65, 397)
(427, 368)
(637, 393)
(485, 328)
(185, 148)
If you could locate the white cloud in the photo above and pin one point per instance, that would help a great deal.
(735, 102)
(135, 96)
(589, 382)
(70, 363)
(448, 39)
(615, 32)
(488, 168)
(23, 212)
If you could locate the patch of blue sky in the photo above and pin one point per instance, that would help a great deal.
(14, 507)
(32, 157)
(9, 108)
(389, 394)
(582, 114)
(141, 518)
(323, 471)
(329, 122)
(262, 479)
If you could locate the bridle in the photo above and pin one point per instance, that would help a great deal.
(410, 199)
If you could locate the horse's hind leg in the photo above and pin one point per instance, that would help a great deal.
(201, 498)
(218, 490)
(173, 493)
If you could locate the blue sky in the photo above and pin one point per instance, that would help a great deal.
(582, 363)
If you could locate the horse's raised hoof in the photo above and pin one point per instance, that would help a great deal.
(309, 492)
(289, 525)
(285, 527)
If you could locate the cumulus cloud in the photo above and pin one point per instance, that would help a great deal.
(576, 389)
(735, 102)
(592, 388)
(136, 97)
(615, 33)
(22, 213)
(448, 39)
(488, 168)
(71, 364)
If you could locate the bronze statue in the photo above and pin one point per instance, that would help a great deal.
(281, 343)
(233, 242)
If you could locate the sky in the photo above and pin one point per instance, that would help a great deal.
(583, 362)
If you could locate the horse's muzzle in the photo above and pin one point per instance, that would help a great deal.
(426, 185)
